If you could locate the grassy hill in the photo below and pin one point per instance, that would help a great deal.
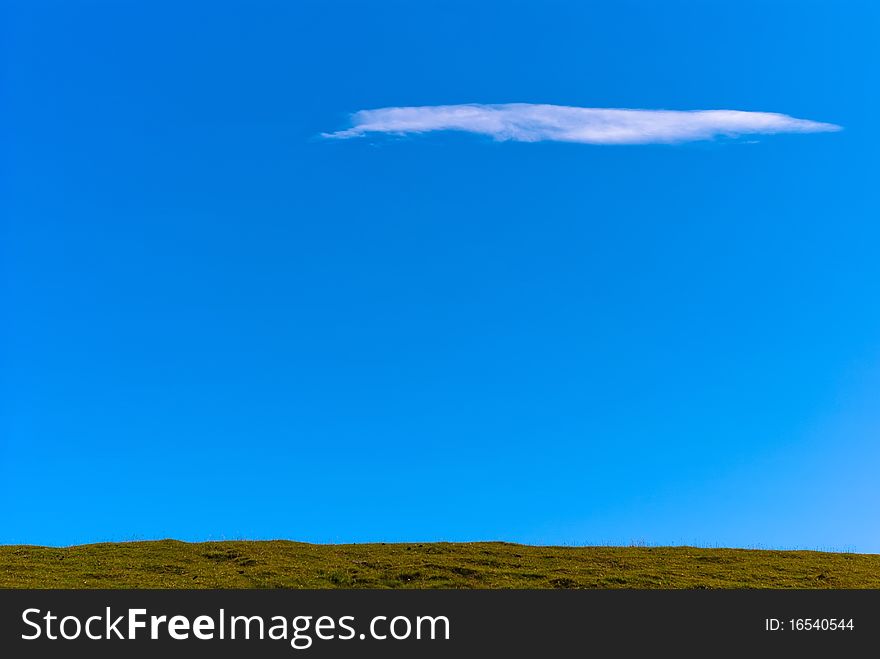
(281, 564)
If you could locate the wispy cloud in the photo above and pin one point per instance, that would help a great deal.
(528, 122)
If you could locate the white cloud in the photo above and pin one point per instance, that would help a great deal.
(528, 122)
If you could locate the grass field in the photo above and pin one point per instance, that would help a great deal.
(281, 564)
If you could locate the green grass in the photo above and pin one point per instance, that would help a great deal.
(281, 564)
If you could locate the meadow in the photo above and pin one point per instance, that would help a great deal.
(284, 564)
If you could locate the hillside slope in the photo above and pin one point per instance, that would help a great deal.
(282, 564)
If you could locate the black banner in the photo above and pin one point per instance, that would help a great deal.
(334, 623)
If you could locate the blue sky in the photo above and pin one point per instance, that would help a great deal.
(218, 324)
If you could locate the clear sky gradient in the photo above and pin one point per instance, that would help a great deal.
(215, 323)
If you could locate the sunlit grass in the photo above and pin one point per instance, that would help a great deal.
(282, 564)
